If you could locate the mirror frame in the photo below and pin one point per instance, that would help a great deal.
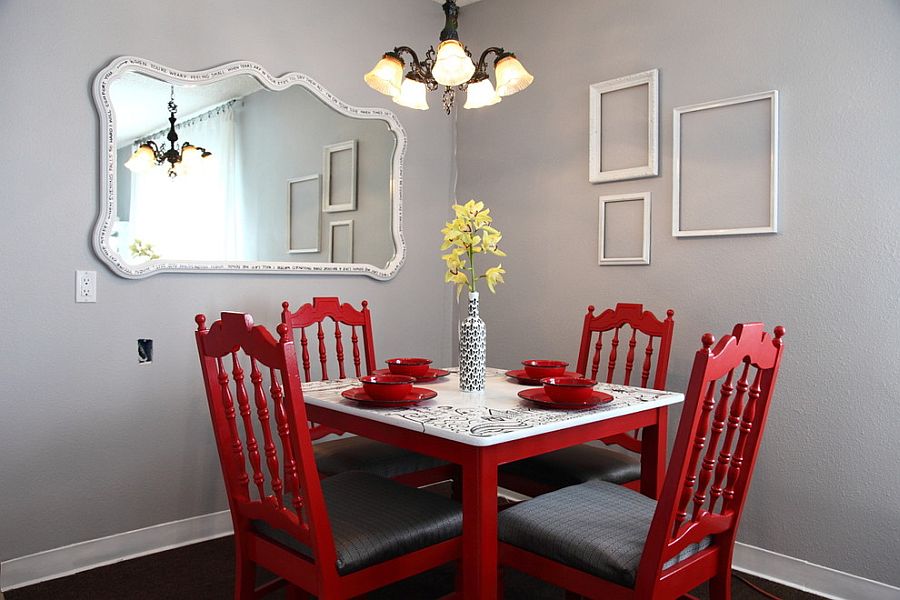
(108, 159)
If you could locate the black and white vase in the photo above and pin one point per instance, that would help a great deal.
(472, 349)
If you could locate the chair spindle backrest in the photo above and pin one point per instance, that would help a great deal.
(358, 323)
(630, 325)
(281, 484)
(722, 423)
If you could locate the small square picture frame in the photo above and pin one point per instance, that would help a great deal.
(679, 199)
(644, 258)
(330, 176)
(651, 169)
(298, 191)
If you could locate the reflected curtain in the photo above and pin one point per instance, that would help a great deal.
(196, 215)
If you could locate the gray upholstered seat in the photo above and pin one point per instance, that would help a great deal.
(597, 527)
(362, 454)
(577, 464)
(374, 519)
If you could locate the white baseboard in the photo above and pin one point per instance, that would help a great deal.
(809, 577)
(59, 562)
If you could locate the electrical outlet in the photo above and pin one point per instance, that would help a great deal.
(85, 286)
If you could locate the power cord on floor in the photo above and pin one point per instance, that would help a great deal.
(755, 587)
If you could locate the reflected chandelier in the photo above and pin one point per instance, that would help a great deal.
(451, 67)
(149, 155)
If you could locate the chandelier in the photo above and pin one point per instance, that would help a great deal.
(149, 155)
(451, 67)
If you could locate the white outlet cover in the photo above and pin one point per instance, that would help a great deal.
(85, 286)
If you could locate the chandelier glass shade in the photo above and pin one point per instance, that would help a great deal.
(149, 155)
(450, 67)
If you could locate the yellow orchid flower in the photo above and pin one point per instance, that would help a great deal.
(494, 275)
(469, 233)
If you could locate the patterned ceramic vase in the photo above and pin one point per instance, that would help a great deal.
(472, 349)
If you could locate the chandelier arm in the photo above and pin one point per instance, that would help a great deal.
(481, 67)
(417, 64)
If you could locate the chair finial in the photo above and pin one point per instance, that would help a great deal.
(591, 308)
(365, 303)
(285, 305)
(779, 333)
(200, 319)
(282, 330)
(670, 313)
(708, 340)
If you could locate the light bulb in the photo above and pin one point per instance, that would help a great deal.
(511, 75)
(452, 65)
(481, 93)
(387, 75)
(412, 94)
(142, 160)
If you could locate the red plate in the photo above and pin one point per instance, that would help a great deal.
(523, 378)
(430, 374)
(415, 396)
(539, 396)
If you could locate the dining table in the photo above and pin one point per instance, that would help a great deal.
(479, 431)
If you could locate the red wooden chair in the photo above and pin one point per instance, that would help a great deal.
(642, 334)
(601, 540)
(347, 330)
(334, 538)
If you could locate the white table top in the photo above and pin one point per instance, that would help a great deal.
(494, 416)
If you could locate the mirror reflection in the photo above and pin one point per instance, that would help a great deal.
(235, 171)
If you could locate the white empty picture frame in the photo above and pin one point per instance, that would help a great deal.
(624, 229)
(626, 128)
(340, 241)
(304, 217)
(725, 167)
(339, 177)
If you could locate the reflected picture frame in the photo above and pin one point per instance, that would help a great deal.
(348, 223)
(678, 199)
(292, 199)
(644, 258)
(331, 204)
(651, 167)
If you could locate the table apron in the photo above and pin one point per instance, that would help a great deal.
(503, 452)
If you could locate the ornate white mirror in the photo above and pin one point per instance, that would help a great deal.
(235, 170)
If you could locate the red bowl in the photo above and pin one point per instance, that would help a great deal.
(387, 387)
(568, 389)
(538, 369)
(414, 367)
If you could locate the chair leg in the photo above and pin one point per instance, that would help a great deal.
(720, 584)
(244, 579)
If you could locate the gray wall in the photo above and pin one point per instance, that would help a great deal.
(93, 444)
(827, 484)
(271, 156)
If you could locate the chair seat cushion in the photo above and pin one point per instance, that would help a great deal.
(597, 527)
(577, 464)
(374, 519)
(361, 454)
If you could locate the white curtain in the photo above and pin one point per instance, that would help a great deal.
(196, 215)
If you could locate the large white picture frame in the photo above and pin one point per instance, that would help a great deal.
(604, 223)
(303, 190)
(679, 199)
(342, 179)
(346, 249)
(651, 167)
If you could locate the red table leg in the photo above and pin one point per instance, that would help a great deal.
(479, 552)
(653, 454)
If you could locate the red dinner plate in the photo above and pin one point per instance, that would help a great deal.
(541, 397)
(429, 375)
(415, 396)
(522, 377)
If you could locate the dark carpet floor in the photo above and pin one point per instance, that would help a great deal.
(204, 571)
